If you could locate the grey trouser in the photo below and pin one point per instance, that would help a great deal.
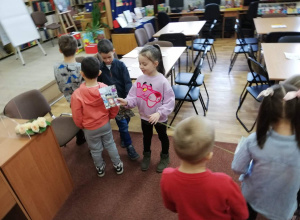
(99, 138)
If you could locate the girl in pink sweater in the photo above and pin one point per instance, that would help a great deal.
(155, 99)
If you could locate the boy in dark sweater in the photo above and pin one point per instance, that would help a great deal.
(114, 72)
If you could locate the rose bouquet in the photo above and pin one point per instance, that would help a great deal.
(33, 126)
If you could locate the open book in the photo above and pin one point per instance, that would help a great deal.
(109, 95)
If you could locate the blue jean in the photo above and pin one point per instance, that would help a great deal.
(123, 129)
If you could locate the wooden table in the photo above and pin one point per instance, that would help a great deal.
(34, 172)
(189, 29)
(278, 67)
(264, 25)
(170, 56)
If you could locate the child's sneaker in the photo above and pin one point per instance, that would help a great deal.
(132, 154)
(119, 168)
(101, 170)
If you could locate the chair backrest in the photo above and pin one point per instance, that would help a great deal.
(212, 12)
(252, 11)
(273, 37)
(149, 30)
(39, 18)
(277, 15)
(188, 18)
(250, 52)
(177, 39)
(161, 43)
(141, 36)
(162, 19)
(28, 105)
(289, 39)
(206, 2)
(256, 67)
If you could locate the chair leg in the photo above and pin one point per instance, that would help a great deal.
(187, 59)
(179, 65)
(195, 108)
(177, 108)
(215, 54)
(210, 67)
(206, 107)
(238, 118)
(202, 103)
(232, 62)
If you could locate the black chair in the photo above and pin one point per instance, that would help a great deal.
(289, 39)
(247, 23)
(189, 93)
(241, 40)
(205, 46)
(31, 105)
(211, 16)
(184, 79)
(178, 40)
(252, 77)
(162, 19)
(240, 49)
(273, 37)
(256, 68)
(206, 2)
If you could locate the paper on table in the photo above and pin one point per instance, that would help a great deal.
(132, 54)
(292, 56)
(278, 26)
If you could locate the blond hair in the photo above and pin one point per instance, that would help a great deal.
(194, 139)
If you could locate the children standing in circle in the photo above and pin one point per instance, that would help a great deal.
(154, 97)
(271, 188)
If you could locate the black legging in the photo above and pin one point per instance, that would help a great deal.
(162, 135)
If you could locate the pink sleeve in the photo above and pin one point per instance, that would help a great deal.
(131, 97)
(76, 108)
(237, 202)
(168, 102)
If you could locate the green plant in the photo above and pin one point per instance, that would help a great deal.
(96, 20)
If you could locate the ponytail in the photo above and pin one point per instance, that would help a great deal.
(297, 122)
(160, 68)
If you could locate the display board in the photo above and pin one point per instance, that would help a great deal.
(17, 23)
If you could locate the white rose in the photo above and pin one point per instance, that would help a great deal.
(17, 129)
(27, 125)
(35, 127)
(22, 129)
(41, 122)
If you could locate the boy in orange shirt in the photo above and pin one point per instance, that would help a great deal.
(89, 113)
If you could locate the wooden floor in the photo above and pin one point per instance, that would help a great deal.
(224, 91)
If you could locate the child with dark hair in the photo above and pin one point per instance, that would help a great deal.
(192, 190)
(67, 73)
(155, 99)
(114, 72)
(274, 149)
(89, 113)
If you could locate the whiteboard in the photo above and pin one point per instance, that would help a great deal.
(17, 23)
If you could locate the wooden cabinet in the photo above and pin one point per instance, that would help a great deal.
(124, 43)
(36, 172)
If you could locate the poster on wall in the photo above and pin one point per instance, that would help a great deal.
(119, 3)
(62, 5)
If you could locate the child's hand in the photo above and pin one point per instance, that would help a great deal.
(154, 118)
(122, 101)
